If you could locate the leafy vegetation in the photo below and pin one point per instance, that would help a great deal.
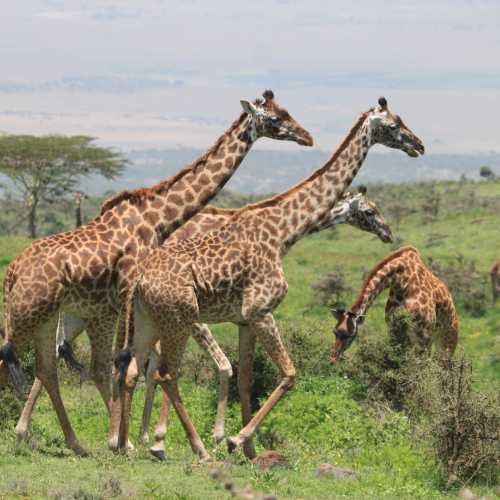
(355, 415)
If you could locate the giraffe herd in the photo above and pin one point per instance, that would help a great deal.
(158, 265)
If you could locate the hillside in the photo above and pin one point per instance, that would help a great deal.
(327, 416)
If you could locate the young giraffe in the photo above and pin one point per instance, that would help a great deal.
(235, 274)
(354, 209)
(495, 280)
(87, 271)
(413, 288)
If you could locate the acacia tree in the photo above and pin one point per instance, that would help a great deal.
(46, 168)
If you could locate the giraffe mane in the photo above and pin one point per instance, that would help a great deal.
(340, 149)
(138, 196)
(393, 255)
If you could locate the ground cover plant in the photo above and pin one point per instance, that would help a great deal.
(339, 415)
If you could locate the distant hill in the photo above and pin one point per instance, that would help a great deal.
(273, 171)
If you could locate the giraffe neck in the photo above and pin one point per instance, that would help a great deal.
(386, 274)
(305, 207)
(166, 206)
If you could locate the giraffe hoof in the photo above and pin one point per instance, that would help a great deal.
(232, 444)
(159, 454)
(218, 437)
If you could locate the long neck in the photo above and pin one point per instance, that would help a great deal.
(378, 280)
(309, 202)
(176, 200)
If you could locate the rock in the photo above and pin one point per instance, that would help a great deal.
(336, 472)
(466, 494)
(269, 459)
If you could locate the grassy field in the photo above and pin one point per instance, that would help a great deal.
(325, 418)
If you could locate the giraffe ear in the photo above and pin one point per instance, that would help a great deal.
(248, 107)
(337, 313)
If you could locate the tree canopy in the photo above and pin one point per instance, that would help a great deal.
(46, 168)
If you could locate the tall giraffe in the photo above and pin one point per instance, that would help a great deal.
(495, 280)
(354, 209)
(88, 270)
(413, 288)
(235, 274)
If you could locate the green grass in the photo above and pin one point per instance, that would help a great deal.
(324, 418)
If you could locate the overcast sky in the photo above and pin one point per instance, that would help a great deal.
(160, 73)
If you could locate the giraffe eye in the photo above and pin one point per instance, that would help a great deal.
(370, 212)
(393, 126)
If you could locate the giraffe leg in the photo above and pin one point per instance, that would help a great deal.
(46, 371)
(158, 448)
(24, 419)
(245, 379)
(101, 334)
(123, 390)
(149, 397)
(68, 328)
(205, 339)
(267, 332)
(166, 375)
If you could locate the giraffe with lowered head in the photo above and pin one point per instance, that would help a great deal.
(235, 274)
(412, 288)
(87, 271)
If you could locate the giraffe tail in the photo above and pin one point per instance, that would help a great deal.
(124, 356)
(11, 361)
(65, 351)
(8, 356)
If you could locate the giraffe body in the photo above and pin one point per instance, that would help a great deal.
(87, 271)
(235, 274)
(412, 288)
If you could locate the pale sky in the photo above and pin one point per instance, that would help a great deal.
(160, 73)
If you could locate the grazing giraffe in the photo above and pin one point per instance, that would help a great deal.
(87, 271)
(354, 209)
(413, 288)
(235, 274)
(495, 280)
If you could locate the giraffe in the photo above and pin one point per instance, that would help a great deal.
(354, 209)
(413, 288)
(78, 196)
(88, 270)
(235, 274)
(495, 280)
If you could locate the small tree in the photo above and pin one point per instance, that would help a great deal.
(47, 168)
(487, 173)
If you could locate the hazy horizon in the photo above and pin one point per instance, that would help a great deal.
(165, 74)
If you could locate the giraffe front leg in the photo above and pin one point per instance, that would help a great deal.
(158, 448)
(267, 332)
(24, 419)
(148, 398)
(205, 339)
(46, 372)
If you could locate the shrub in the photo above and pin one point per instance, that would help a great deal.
(331, 287)
(462, 424)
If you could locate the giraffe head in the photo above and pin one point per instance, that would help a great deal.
(271, 120)
(387, 128)
(345, 331)
(365, 215)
